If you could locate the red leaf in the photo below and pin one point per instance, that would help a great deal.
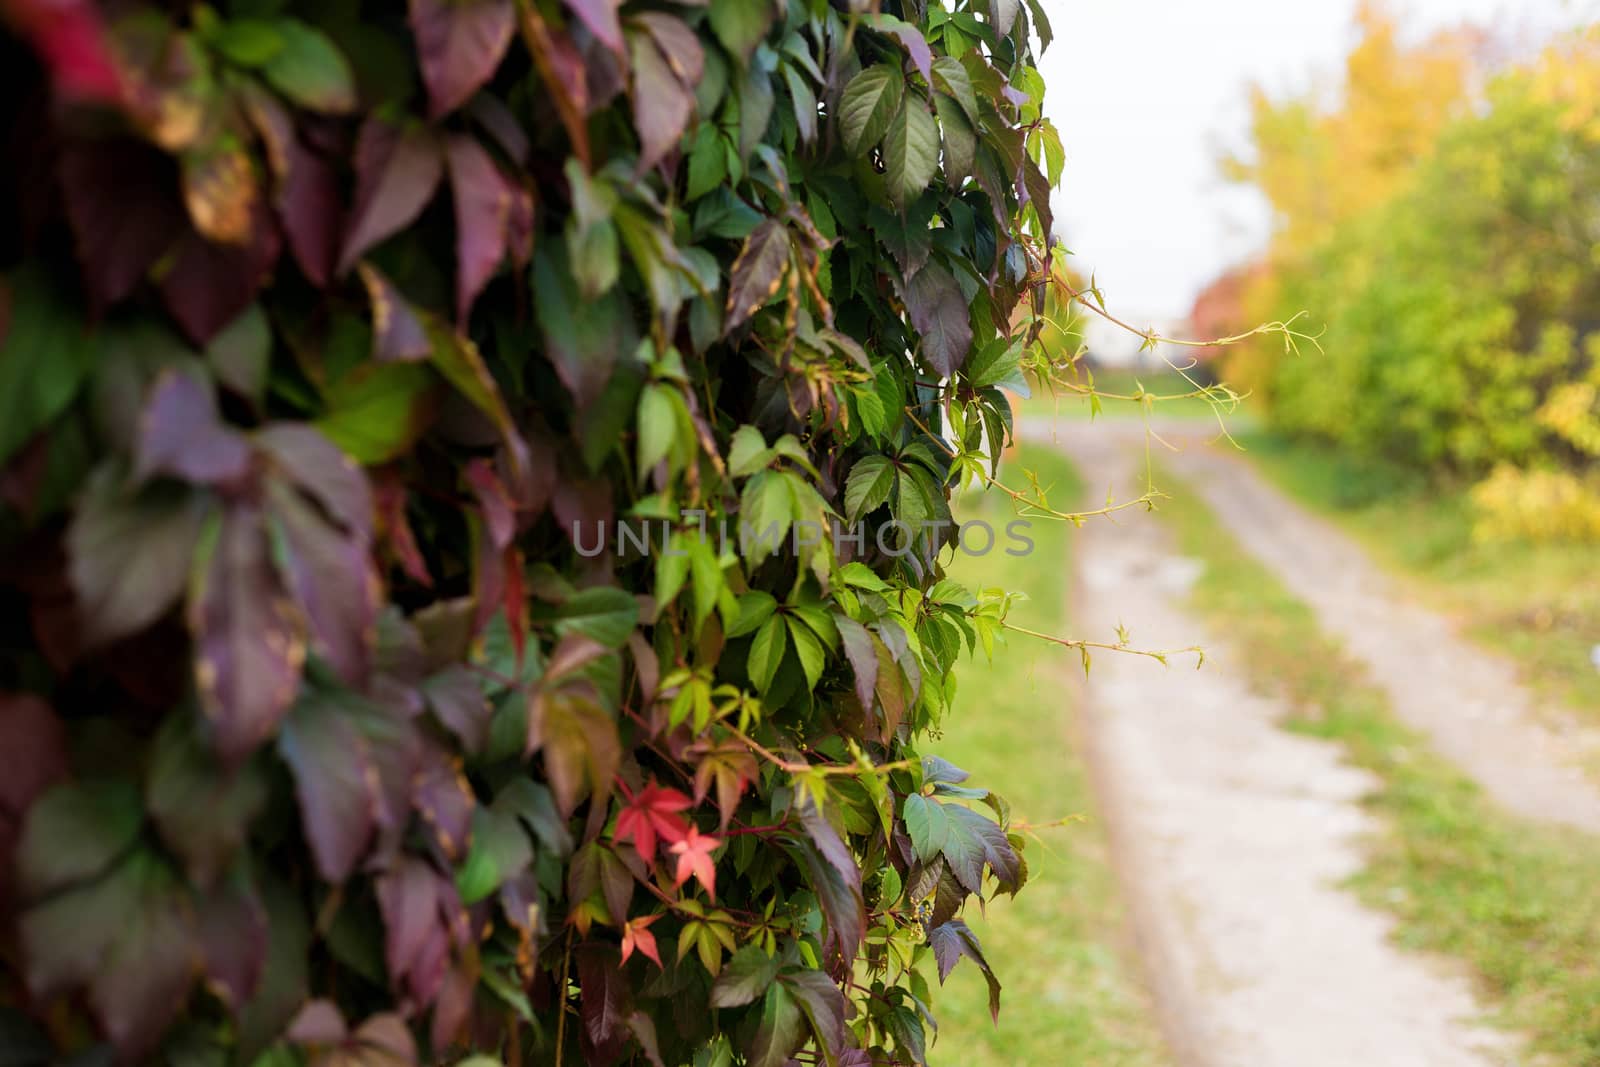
(494, 502)
(636, 935)
(694, 858)
(483, 203)
(249, 645)
(210, 284)
(600, 16)
(181, 435)
(70, 37)
(394, 529)
(34, 743)
(653, 812)
(459, 45)
(116, 244)
(397, 172)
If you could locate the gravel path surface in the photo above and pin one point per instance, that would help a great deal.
(1232, 836)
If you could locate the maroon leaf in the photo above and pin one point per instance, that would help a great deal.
(858, 649)
(483, 203)
(397, 171)
(335, 782)
(459, 45)
(117, 244)
(129, 554)
(306, 193)
(605, 1003)
(249, 643)
(938, 312)
(331, 574)
(562, 70)
(232, 929)
(952, 940)
(34, 742)
(494, 502)
(397, 333)
(209, 284)
(757, 273)
(600, 16)
(394, 530)
(661, 103)
(181, 435)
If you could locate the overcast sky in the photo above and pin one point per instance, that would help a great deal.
(1145, 92)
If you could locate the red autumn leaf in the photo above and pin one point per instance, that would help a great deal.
(562, 69)
(70, 37)
(650, 813)
(459, 45)
(636, 935)
(397, 171)
(483, 202)
(694, 858)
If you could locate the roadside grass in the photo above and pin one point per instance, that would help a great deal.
(1539, 603)
(1515, 901)
(1072, 996)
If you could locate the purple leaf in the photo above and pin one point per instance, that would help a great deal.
(117, 243)
(332, 576)
(232, 929)
(181, 435)
(312, 462)
(397, 333)
(952, 940)
(306, 188)
(661, 103)
(441, 794)
(397, 172)
(335, 782)
(600, 16)
(249, 643)
(483, 201)
(422, 917)
(909, 38)
(459, 45)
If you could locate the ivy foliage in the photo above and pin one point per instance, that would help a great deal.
(382, 682)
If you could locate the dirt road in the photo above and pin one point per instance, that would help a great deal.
(1232, 836)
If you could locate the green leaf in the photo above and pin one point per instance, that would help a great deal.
(309, 70)
(951, 79)
(748, 453)
(910, 150)
(809, 649)
(745, 976)
(766, 653)
(868, 104)
(378, 411)
(766, 511)
(657, 427)
(867, 486)
(960, 142)
(74, 833)
(755, 608)
(500, 851)
(781, 1031)
(928, 826)
(44, 358)
(605, 614)
(741, 25)
(247, 42)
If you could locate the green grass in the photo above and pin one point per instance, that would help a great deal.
(1516, 902)
(1540, 604)
(1071, 993)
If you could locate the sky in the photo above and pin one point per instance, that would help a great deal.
(1147, 94)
